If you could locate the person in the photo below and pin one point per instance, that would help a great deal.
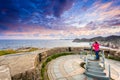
(96, 49)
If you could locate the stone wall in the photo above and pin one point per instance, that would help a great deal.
(27, 75)
(33, 73)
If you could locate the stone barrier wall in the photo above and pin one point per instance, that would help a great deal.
(27, 75)
(34, 74)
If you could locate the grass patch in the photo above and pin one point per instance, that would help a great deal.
(117, 58)
(44, 64)
(83, 53)
(5, 52)
(32, 49)
(27, 50)
(12, 51)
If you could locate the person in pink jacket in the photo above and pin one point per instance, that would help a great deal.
(96, 48)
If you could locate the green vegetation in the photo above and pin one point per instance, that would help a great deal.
(5, 52)
(114, 57)
(43, 69)
(33, 49)
(12, 51)
(83, 53)
(30, 50)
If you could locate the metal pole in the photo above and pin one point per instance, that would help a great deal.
(109, 71)
(91, 47)
(103, 59)
(86, 62)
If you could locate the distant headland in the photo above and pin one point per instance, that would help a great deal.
(112, 41)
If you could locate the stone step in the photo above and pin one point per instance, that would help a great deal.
(94, 65)
(100, 71)
(99, 77)
(91, 58)
(96, 69)
(96, 72)
(93, 62)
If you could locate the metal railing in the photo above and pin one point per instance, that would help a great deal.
(109, 67)
(109, 71)
(103, 62)
(103, 59)
(86, 61)
(91, 48)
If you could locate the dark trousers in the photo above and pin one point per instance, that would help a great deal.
(97, 54)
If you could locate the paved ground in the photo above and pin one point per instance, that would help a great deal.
(68, 68)
(115, 68)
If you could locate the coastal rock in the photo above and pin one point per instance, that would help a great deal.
(76, 40)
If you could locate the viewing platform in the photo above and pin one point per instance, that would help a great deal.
(28, 65)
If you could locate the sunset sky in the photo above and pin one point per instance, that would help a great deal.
(58, 19)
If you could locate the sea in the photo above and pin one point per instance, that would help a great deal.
(15, 44)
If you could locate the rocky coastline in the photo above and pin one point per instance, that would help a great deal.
(110, 41)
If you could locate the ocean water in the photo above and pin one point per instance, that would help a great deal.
(14, 44)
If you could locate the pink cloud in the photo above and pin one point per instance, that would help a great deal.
(97, 14)
(102, 11)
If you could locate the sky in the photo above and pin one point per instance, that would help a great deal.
(58, 19)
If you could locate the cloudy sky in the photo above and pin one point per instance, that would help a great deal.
(58, 19)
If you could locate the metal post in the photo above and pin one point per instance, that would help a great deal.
(86, 62)
(91, 47)
(84, 59)
(103, 59)
(109, 71)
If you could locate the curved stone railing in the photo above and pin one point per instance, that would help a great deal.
(33, 72)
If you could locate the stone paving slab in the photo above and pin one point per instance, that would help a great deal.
(79, 77)
(65, 68)
(68, 68)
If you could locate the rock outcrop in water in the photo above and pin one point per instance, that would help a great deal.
(110, 41)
